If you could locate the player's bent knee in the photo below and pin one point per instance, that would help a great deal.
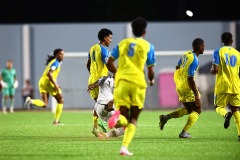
(199, 111)
(60, 100)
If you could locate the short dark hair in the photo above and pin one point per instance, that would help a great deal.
(139, 26)
(227, 37)
(103, 33)
(196, 43)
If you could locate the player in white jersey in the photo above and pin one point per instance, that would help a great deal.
(104, 105)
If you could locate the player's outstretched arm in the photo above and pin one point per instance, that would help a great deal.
(92, 86)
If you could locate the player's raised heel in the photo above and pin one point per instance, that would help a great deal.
(163, 121)
(227, 120)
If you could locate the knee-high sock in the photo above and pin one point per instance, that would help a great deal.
(221, 110)
(4, 103)
(192, 118)
(128, 135)
(122, 121)
(58, 112)
(38, 102)
(178, 113)
(237, 120)
(12, 103)
(95, 122)
(116, 132)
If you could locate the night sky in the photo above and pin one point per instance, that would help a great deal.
(59, 11)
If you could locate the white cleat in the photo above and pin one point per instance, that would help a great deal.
(102, 135)
(124, 152)
(27, 102)
(11, 110)
(4, 111)
(184, 134)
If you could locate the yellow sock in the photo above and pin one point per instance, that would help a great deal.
(237, 120)
(128, 135)
(95, 121)
(37, 102)
(178, 113)
(58, 112)
(122, 121)
(192, 118)
(222, 111)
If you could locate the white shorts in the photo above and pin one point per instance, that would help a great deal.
(102, 113)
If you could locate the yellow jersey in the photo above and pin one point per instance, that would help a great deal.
(53, 65)
(132, 54)
(98, 55)
(188, 64)
(227, 78)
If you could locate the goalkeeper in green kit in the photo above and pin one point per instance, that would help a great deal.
(9, 83)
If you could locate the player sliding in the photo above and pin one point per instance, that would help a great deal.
(104, 105)
(96, 65)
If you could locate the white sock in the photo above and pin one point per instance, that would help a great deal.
(110, 114)
(115, 133)
(119, 131)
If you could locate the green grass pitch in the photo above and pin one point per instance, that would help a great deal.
(30, 135)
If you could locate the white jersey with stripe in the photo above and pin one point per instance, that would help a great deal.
(106, 85)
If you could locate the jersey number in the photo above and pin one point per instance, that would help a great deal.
(131, 49)
(232, 62)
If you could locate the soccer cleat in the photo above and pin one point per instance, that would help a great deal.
(163, 121)
(11, 110)
(124, 152)
(113, 120)
(184, 134)
(238, 138)
(27, 102)
(227, 120)
(57, 124)
(95, 132)
(103, 125)
(4, 110)
(102, 135)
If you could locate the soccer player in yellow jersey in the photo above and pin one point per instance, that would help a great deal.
(130, 82)
(96, 65)
(186, 88)
(48, 85)
(225, 65)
